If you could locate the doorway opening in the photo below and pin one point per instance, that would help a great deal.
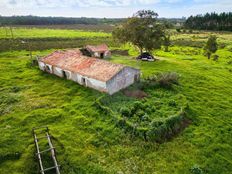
(83, 81)
(102, 55)
(136, 78)
(47, 68)
(64, 74)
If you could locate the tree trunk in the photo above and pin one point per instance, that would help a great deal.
(208, 55)
(141, 50)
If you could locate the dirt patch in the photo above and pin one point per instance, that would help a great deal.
(120, 52)
(139, 94)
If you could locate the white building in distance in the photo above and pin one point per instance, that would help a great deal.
(91, 72)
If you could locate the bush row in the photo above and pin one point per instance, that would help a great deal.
(190, 43)
(51, 43)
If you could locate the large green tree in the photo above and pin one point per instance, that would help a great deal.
(142, 30)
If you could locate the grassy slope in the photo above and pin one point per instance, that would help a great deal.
(88, 142)
(91, 143)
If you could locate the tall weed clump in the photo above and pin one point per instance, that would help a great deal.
(164, 80)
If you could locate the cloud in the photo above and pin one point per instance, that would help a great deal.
(12, 2)
(111, 8)
(73, 3)
(174, 1)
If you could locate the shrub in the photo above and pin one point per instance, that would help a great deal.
(10, 156)
(98, 103)
(229, 62)
(215, 57)
(15, 89)
(172, 103)
(166, 80)
(145, 117)
(140, 113)
(121, 122)
(32, 63)
(211, 46)
(138, 105)
(196, 170)
(150, 82)
(125, 111)
(222, 45)
(178, 30)
(153, 109)
(152, 78)
(230, 49)
(149, 110)
(173, 121)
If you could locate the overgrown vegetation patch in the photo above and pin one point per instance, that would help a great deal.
(157, 117)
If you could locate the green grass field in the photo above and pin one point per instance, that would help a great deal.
(48, 33)
(41, 38)
(88, 140)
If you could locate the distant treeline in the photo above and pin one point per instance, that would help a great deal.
(36, 20)
(210, 21)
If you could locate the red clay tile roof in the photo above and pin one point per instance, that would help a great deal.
(74, 61)
(98, 48)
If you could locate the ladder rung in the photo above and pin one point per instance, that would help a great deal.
(41, 127)
(50, 168)
(40, 132)
(45, 150)
(43, 137)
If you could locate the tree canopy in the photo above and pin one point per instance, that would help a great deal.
(167, 41)
(210, 21)
(142, 30)
(37, 20)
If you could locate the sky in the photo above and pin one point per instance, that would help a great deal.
(112, 8)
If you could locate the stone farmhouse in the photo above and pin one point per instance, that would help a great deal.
(91, 72)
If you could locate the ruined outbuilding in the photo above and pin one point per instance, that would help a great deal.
(91, 72)
(99, 51)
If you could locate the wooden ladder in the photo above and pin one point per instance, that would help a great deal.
(47, 136)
